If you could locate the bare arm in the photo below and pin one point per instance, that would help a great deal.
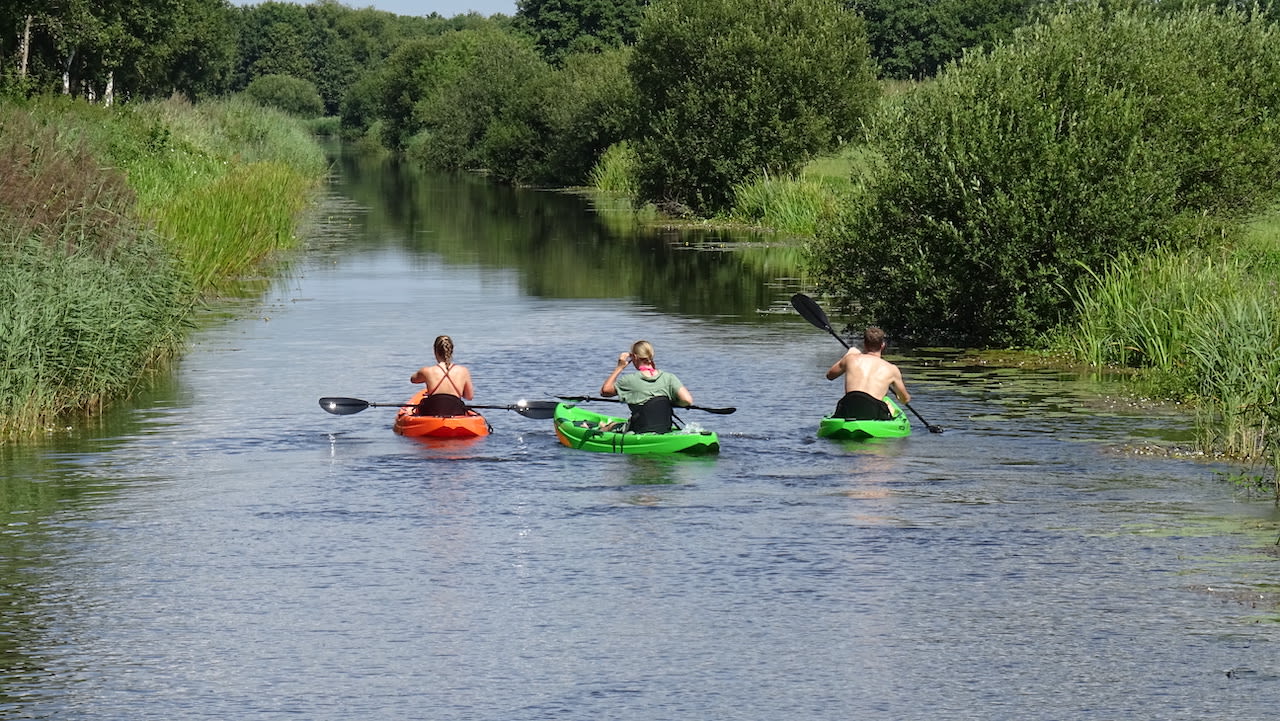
(838, 369)
(420, 376)
(468, 390)
(610, 388)
(899, 388)
(685, 397)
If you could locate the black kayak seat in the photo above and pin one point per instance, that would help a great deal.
(441, 405)
(652, 416)
(859, 406)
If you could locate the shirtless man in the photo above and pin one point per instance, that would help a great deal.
(867, 378)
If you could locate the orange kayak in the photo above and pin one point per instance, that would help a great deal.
(471, 425)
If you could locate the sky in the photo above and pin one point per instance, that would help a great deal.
(447, 8)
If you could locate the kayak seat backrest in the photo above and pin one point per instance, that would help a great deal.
(858, 406)
(441, 405)
(652, 416)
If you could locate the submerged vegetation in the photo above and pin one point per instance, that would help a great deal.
(114, 223)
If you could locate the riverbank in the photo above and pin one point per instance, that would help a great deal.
(115, 223)
(1200, 328)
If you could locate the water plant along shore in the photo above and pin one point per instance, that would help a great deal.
(114, 223)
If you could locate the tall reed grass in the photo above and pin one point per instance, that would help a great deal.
(615, 172)
(798, 204)
(788, 204)
(1205, 324)
(114, 222)
(225, 227)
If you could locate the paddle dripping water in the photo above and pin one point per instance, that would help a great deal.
(224, 549)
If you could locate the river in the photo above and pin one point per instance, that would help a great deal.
(221, 548)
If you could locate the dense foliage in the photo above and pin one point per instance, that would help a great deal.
(914, 39)
(1095, 133)
(475, 101)
(566, 27)
(105, 48)
(589, 107)
(729, 89)
(292, 95)
(112, 221)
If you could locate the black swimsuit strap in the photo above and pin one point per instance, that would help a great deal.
(444, 378)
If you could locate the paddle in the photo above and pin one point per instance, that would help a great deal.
(540, 410)
(717, 411)
(809, 309)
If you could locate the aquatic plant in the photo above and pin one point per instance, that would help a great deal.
(89, 298)
(788, 204)
(615, 171)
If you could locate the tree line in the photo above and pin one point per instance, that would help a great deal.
(533, 98)
(1014, 162)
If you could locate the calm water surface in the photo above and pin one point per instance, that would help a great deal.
(223, 549)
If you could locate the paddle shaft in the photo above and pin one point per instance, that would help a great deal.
(718, 411)
(346, 406)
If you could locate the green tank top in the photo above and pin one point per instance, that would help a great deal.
(635, 388)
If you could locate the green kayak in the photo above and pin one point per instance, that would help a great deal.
(841, 428)
(578, 428)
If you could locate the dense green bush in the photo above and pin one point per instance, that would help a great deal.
(292, 95)
(566, 27)
(589, 106)
(914, 39)
(1096, 132)
(479, 105)
(729, 89)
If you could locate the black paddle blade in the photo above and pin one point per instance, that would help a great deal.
(539, 410)
(717, 411)
(343, 406)
(809, 309)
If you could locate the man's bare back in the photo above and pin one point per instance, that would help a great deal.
(866, 371)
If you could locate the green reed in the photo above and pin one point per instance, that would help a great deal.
(788, 204)
(797, 204)
(614, 173)
(224, 228)
(113, 222)
(1207, 325)
(80, 329)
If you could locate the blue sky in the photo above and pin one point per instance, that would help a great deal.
(447, 8)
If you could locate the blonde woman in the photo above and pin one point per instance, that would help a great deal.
(650, 392)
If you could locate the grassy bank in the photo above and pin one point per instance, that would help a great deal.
(1204, 327)
(114, 223)
(1201, 326)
